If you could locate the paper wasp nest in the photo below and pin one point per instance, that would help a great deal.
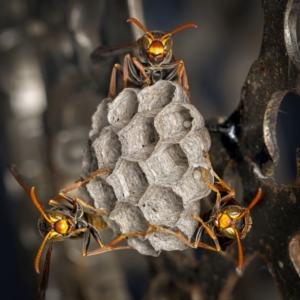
(153, 141)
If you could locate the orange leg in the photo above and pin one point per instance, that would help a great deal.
(76, 185)
(177, 234)
(85, 205)
(182, 77)
(183, 239)
(221, 186)
(180, 72)
(185, 83)
(142, 70)
(110, 246)
(64, 192)
(125, 71)
(113, 81)
(209, 232)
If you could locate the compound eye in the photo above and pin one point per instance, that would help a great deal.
(234, 212)
(229, 232)
(146, 42)
(167, 44)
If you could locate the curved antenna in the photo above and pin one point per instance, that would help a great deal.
(182, 27)
(135, 21)
(254, 201)
(39, 254)
(38, 205)
(240, 252)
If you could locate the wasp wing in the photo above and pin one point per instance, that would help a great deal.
(103, 53)
(45, 275)
(19, 178)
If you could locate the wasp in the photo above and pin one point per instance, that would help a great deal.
(68, 219)
(154, 60)
(226, 223)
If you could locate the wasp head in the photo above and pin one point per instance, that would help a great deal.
(56, 226)
(233, 219)
(156, 46)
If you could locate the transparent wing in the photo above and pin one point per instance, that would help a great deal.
(104, 52)
(19, 178)
(45, 275)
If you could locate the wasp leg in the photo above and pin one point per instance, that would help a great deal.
(63, 194)
(221, 186)
(129, 68)
(183, 78)
(177, 234)
(110, 246)
(87, 237)
(179, 70)
(142, 70)
(76, 185)
(173, 73)
(113, 81)
(85, 205)
(96, 236)
(213, 187)
(185, 83)
(184, 240)
(210, 233)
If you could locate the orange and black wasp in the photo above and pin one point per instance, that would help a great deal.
(68, 219)
(154, 60)
(226, 223)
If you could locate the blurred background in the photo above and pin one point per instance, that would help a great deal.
(49, 90)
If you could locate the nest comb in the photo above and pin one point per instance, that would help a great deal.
(153, 140)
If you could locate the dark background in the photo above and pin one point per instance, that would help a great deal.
(49, 90)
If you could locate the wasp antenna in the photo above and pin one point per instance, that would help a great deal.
(240, 252)
(38, 205)
(39, 254)
(182, 27)
(135, 21)
(251, 205)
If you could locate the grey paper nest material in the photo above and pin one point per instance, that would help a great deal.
(153, 141)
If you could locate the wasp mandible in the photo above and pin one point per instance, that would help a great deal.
(226, 223)
(154, 60)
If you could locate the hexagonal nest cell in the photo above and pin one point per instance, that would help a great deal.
(163, 141)
(128, 181)
(107, 147)
(139, 137)
(123, 108)
(161, 206)
(174, 122)
(166, 165)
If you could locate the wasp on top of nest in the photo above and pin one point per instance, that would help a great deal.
(154, 60)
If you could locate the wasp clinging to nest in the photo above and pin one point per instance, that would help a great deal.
(68, 219)
(154, 60)
(226, 223)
